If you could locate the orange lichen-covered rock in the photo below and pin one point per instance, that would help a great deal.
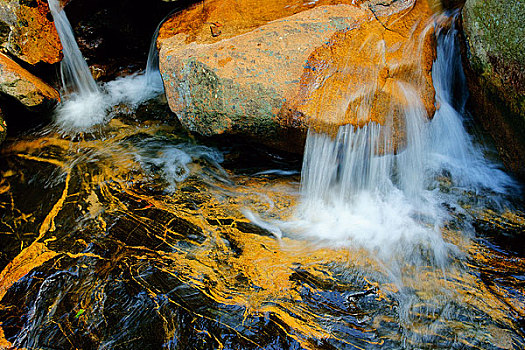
(18, 83)
(29, 32)
(271, 69)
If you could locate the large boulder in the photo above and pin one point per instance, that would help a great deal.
(23, 86)
(495, 58)
(271, 69)
(27, 31)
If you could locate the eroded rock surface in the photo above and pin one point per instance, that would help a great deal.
(269, 70)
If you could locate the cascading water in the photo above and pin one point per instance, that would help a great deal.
(153, 77)
(352, 193)
(451, 147)
(76, 77)
(356, 195)
(86, 104)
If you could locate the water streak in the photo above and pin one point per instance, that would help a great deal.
(153, 76)
(75, 73)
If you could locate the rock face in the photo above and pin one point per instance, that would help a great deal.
(495, 58)
(18, 83)
(27, 31)
(271, 69)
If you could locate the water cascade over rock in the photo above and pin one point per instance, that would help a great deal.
(375, 198)
(356, 195)
(76, 77)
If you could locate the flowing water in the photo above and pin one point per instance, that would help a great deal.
(86, 104)
(135, 235)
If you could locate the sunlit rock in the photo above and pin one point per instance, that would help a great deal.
(269, 70)
(494, 33)
(29, 32)
(18, 83)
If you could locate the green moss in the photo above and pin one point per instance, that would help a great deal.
(495, 27)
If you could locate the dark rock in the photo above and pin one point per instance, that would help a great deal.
(3, 127)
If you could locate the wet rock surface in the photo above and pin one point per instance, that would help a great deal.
(3, 127)
(93, 242)
(495, 62)
(269, 71)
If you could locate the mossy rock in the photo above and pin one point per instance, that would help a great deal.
(496, 73)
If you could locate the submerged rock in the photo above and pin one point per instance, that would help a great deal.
(495, 58)
(27, 31)
(23, 86)
(269, 70)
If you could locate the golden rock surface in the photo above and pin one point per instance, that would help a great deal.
(33, 36)
(260, 68)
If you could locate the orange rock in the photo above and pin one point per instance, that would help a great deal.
(18, 83)
(265, 68)
(33, 36)
(371, 73)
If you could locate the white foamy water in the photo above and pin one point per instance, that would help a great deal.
(355, 195)
(81, 112)
(85, 103)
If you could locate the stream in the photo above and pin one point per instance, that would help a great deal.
(137, 235)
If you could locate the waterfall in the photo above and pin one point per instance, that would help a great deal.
(153, 77)
(75, 74)
(451, 147)
(356, 193)
(86, 104)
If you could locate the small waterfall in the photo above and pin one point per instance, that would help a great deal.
(86, 104)
(76, 77)
(452, 149)
(153, 77)
(352, 193)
